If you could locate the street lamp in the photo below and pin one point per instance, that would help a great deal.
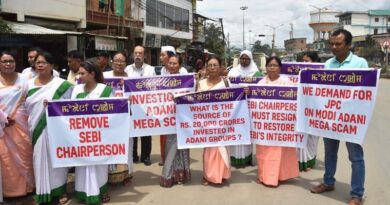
(243, 8)
(273, 34)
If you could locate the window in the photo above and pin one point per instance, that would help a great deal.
(388, 30)
(376, 19)
(151, 12)
(162, 15)
(178, 18)
(185, 20)
(170, 16)
(375, 31)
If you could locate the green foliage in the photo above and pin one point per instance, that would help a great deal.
(214, 40)
(4, 28)
(372, 50)
(257, 47)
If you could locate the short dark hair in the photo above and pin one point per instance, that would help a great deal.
(170, 53)
(48, 57)
(274, 58)
(7, 53)
(178, 58)
(102, 54)
(76, 54)
(37, 49)
(347, 35)
(122, 53)
(215, 58)
(312, 55)
(92, 67)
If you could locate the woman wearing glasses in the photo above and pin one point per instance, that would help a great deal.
(118, 66)
(275, 163)
(241, 155)
(15, 142)
(49, 182)
(120, 173)
(216, 160)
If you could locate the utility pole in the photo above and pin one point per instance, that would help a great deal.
(292, 31)
(223, 32)
(273, 34)
(250, 39)
(243, 8)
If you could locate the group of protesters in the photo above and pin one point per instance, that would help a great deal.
(24, 150)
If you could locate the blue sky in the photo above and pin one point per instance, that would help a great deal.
(261, 12)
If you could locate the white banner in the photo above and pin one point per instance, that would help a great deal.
(273, 116)
(291, 69)
(88, 132)
(153, 111)
(337, 104)
(212, 118)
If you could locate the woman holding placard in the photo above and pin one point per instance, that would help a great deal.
(307, 155)
(241, 155)
(216, 160)
(91, 181)
(176, 169)
(120, 173)
(275, 163)
(49, 182)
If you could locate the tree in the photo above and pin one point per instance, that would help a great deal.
(372, 50)
(214, 39)
(257, 47)
(4, 28)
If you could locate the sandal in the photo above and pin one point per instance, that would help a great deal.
(106, 198)
(63, 199)
(205, 182)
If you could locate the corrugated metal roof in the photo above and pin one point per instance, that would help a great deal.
(379, 12)
(24, 28)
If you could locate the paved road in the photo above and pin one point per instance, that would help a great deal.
(242, 188)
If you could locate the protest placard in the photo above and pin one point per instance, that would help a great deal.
(212, 118)
(117, 85)
(337, 104)
(244, 80)
(273, 115)
(153, 111)
(291, 69)
(88, 132)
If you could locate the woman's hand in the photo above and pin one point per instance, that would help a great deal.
(246, 91)
(45, 103)
(10, 122)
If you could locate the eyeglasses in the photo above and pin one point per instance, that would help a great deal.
(41, 63)
(119, 62)
(272, 66)
(7, 62)
(212, 65)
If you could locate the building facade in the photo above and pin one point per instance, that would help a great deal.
(323, 22)
(295, 45)
(370, 22)
(167, 22)
(53, 27)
